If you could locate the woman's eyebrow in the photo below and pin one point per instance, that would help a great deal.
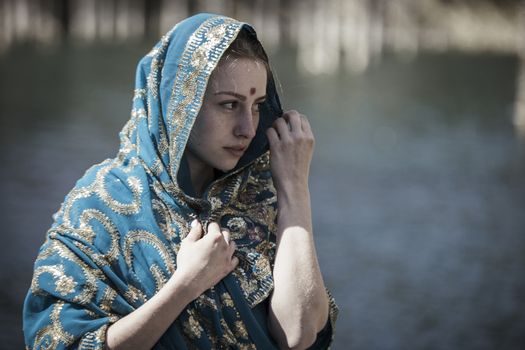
(239, 96)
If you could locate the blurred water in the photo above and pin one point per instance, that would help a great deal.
(418, 185)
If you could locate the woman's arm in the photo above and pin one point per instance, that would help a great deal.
(299, 303)
(142, 328)
(201, 264)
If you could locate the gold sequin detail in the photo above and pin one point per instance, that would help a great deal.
(192, 327)
(51, 336)
(135, 236)
(202, 53)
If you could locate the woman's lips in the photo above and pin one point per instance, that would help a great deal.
(237, 151)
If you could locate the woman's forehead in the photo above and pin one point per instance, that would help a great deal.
(239, 73)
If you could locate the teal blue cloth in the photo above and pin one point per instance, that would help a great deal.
(113, 243)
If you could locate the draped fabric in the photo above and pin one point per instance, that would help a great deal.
(113, 243)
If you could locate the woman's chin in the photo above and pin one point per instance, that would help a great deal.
(227, 166)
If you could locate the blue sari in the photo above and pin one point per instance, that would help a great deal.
(113, 243)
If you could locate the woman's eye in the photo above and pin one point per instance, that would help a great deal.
(229, 105)
(258, 106)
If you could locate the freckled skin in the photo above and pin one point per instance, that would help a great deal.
(228, 117)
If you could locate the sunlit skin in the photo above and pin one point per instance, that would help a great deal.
(223, 130)
(228, 119)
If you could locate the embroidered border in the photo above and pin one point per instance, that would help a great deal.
(200, 56)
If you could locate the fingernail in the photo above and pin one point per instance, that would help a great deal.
(194, 223)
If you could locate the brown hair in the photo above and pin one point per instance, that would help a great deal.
(246, 45)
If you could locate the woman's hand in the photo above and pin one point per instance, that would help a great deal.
(203, 261)
(291, 146)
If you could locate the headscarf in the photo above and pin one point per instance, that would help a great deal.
(113, 243)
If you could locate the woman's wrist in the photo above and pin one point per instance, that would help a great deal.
(293, 193)
(183, 287)
(144, 326)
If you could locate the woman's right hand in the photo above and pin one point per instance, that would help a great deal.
(202, 261)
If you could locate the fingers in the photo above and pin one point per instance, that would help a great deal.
(234, 262)
(294, 120)
(283, 130)
(273, 138)
(213, 229)
(195, 231)
(305, 125)
(219, 235)
(232, 247)
(213, 233)
(226, 234)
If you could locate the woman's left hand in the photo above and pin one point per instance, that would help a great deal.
(291, 148)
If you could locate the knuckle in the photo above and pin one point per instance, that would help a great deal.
(289, 140)
(216, 236)
(280, 122)
(213, 226)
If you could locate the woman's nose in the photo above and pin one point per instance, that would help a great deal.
(246, 126)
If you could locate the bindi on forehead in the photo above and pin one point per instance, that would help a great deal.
(253, 91)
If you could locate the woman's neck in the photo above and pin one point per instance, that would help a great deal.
(201, 174)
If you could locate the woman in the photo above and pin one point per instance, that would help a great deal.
(177, 242)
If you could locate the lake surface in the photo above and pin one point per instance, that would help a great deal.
(418, 185)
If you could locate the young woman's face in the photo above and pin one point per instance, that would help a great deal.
(228, 118)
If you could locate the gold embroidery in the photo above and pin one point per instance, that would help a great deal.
(94, 340)
(149, 238)
(134, 295)
(49, 337)
(63, 284)
(227, 338)
(171, 227)
(237, 227)
(139, 94)
(240, 330)
(86, 231)
(153, 77)
(138, 113)
(205, 301)
(89, 285)
(202, 52)
(107, 299)
(73, 196)
(227, 300)
(160, 279)
(118, 207)
(192, 327)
